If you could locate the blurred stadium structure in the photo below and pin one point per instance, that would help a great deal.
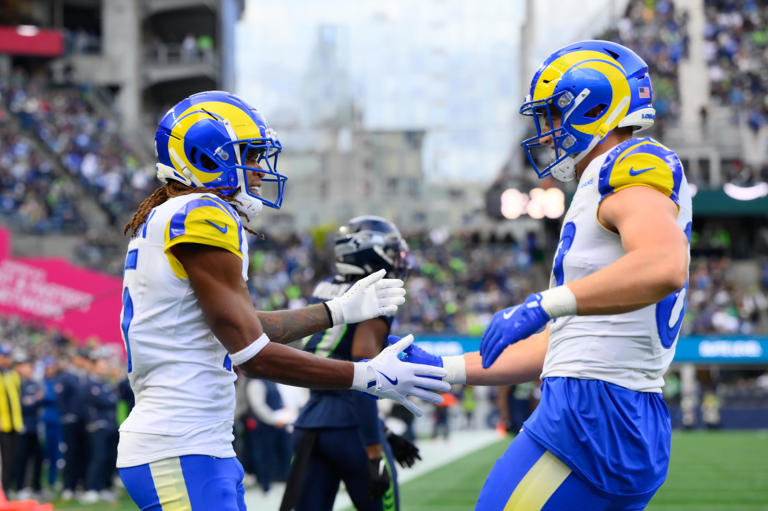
(83, 82)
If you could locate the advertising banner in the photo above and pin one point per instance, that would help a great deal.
(83, 304)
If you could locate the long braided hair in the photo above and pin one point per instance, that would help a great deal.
(174, 189)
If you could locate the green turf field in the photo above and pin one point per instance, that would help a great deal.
(719, 471)
(709, 472)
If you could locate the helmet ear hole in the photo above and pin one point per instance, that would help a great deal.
(207, 162)
(596, 111)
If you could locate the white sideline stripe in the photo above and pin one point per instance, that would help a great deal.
(434, 454)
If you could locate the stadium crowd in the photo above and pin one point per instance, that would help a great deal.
(86, 141)
(736, 46)
(31, 197)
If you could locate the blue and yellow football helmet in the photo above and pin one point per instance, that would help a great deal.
(206, 139)
(596, 87)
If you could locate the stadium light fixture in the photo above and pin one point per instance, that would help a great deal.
(746, 193)
(537, 204)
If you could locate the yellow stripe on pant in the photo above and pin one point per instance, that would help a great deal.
(169, 484)
(538, 485)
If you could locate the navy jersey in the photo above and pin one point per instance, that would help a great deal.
(338, 408)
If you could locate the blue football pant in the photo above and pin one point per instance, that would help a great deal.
(187, 483)
(530, 478)
(339, 455)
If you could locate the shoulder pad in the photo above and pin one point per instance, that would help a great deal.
(208, 220)
(641, 162)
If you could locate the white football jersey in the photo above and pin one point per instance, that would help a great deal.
(180, 374)
(633, 349)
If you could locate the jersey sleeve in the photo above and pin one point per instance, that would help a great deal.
(646, 163)
(206, 220)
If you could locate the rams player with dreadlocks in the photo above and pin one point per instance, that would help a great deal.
(604, 333)
(338, 435)
(187, 317)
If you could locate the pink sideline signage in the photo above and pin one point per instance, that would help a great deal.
(50, 291)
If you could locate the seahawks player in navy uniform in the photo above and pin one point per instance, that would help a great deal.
(338, 433)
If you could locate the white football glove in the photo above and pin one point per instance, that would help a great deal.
(370, 297)
(389, 377)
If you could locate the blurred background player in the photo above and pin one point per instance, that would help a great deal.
(29, 455)
(71, 402)
(338, 435)
(101, 399)
(11, 419)
(270, 441)
(187, 317)
(603, 335)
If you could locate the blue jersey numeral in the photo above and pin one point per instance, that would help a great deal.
(670, 311)
(566, 241)
(126, 324)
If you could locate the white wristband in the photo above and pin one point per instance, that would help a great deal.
(457, 369)
(360, 376)
(250, 351)
(559, 301)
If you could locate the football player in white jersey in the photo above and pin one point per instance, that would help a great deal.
(187, 315)
(603, 335)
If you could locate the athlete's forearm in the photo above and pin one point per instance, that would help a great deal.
(289, 325)
(520, 362)
(638, 279)
(284, 364)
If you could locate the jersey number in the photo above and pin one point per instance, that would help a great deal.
(566, 241)
(125, 324)
(670, 311)
(131, 261)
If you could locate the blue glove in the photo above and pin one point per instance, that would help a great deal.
(416, 355)
(511, 325)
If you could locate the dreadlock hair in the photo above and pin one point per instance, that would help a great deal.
(175, 189)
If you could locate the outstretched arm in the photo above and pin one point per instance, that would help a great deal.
(215, 276)
(521, 362)
(289, 325)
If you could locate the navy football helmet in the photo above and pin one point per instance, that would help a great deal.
(366, 245)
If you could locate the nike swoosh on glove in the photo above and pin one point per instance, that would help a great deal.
(511, 325)
(370, 297)
(389, 377)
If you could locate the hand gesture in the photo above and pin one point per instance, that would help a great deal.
(378, 478)
(406, 453)
(389, 377)
(416, 355)
(511, 325)
(370, 297)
